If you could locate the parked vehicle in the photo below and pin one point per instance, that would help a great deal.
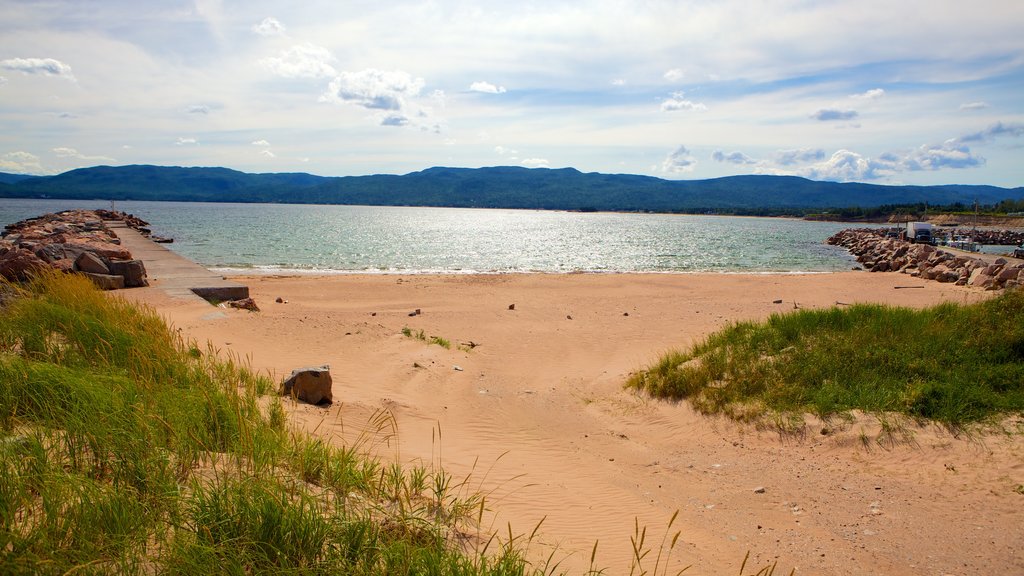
(919, 232)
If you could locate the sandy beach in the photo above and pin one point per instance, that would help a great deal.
(531, 411)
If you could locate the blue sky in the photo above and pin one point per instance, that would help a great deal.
(909, 92)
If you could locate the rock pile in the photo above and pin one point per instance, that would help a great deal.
(880, 254)
(991, 237)
(72, 241)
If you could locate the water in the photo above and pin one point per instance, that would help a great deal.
(306, 238)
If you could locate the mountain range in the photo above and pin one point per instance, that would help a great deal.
(492, 187)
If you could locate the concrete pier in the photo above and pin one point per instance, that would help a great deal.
(173, 273)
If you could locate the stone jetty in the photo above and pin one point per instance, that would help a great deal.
(878, 253)
(73, 241)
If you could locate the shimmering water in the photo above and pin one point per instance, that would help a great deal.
(285, 237)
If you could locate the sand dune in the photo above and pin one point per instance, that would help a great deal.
(535, 416)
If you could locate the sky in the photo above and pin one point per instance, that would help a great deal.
(906, 92)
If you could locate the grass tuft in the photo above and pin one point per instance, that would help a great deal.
(953, 364)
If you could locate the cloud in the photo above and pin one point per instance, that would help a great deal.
(186, 141)
(267, 153)
(486, 87)
(260, 142)
(394, 120)
(535, 163)
(974, 106)
(732, 157)
(677, 102)
(302, 61)
(679, 161)
(501, 151)
(3, 80)
(618, 82)
(845, 165)
(673, 75)
(65, 152)
(198, 109)
(20, 163)
(374, 89)
(829, 114)
(798, 156)
(873, 94)
(44, 66)
(997, 129)
(269, 27)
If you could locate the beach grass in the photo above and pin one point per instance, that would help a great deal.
(124, 449)
(953, 364)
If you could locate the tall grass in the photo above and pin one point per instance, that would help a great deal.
(125, 449)
(954, 364)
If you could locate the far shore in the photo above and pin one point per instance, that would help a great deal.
(528, 406)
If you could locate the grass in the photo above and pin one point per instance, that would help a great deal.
(422, 336)
(952, 364)
(124, 449)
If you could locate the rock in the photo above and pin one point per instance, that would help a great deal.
(311, 384)
(91, 263)
(245, 304)
(19, 264)
(106, 281)
(759, 490)
(134, 272)
(279, 300)
(511, 306)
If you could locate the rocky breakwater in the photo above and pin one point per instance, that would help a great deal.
(72, 241)
(876, 253)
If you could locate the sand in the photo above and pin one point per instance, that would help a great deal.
(535, 416)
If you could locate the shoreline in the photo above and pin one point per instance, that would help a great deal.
(535, 417)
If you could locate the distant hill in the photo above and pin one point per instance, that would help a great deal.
(495, 187)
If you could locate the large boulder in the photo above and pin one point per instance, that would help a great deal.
(106, 281)
(91, 263)
(134, 272)
(311, 384)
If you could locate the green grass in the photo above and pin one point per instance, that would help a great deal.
(953, 364)
(422, 336)
(124, 449)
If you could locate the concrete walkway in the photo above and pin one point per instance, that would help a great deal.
(173, 273)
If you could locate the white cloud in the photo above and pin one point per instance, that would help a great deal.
(186, 141)
(198, 109)
(260, 142)
(843, 166)
(486, 87)
(535, 163)
(873, 94)
(673, 75)
(374, 89)
(974, 106)
(798, 156)
(20, 163)
(502, 151)
(267, 153)
(678, 102)
(3, 80)
(679, 161)
(732, 157)
(302, 61)
(618, 82)
(394, 120)
(65, 152)
(830, 114)
(269, 27)
(44, 66)
(954, 153)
